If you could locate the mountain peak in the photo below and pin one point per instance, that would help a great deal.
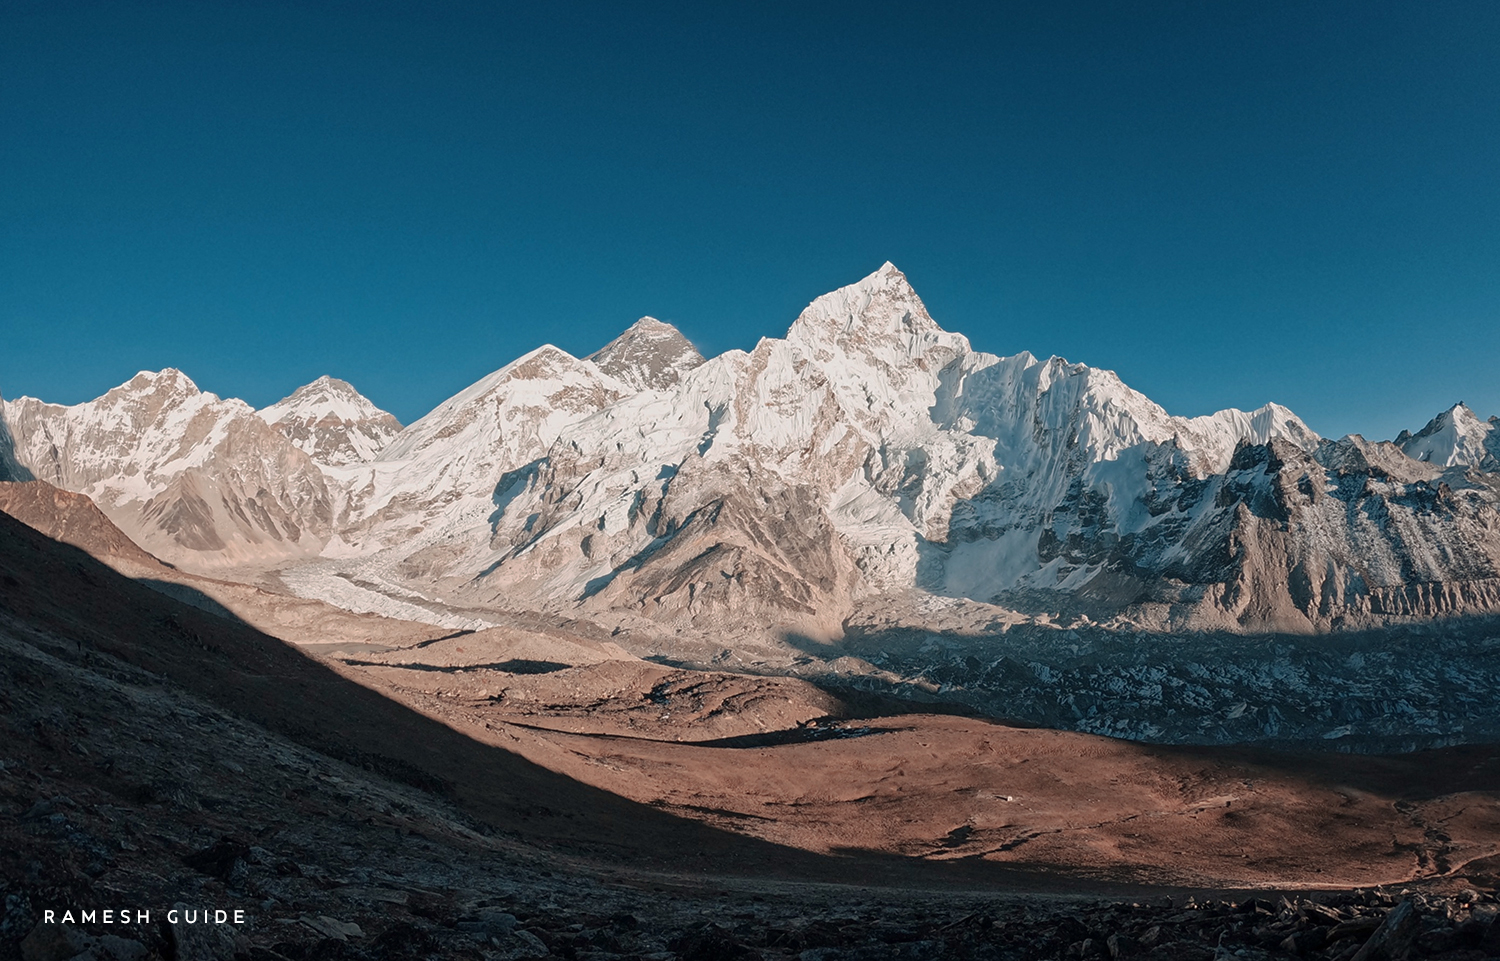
(332, 422)
(889, 280)
(327, 388)
(650, 355)
(1458, 416)
(651, 324)
(880, 304)
(1456, 436)
(325, 391)
(544, 362)
(168, 378)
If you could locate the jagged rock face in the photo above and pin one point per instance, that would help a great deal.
(651, 355)
(255, 490)
(10, 468)
(332, 423)
(716, 548)
(192, 478)
(1288, 540)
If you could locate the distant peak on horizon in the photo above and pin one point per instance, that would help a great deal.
(650, 323)
(650, 354)
(324, 384)
(325, 390)
(332, 422)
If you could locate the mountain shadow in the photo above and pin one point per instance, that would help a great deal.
(50, 590)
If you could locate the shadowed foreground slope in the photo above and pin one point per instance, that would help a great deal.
(155, 753)
(50, 591)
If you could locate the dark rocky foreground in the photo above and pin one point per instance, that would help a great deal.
(119, 791)
(325, 881)
(153, 757)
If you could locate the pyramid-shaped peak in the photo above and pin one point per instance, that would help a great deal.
(543, 363)
(1458, 416)
(332, 422)
(326, 385)
(882, 303)
(547, 362)
(540, 362)
(652, 325)
(647, 327)
(1463, 420)
(325, 397)
(1456, 436)
(888, 280)
(650, 355)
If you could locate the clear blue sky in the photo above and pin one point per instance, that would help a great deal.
(1228, 203)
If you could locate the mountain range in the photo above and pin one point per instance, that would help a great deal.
(868, 468)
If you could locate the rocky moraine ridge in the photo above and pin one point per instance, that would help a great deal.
(868, 496)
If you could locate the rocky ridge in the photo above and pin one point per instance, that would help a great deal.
(650, 355)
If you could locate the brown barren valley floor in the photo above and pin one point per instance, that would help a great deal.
(949, 789)
(576, 746)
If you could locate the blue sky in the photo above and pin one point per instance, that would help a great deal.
(1227, 203)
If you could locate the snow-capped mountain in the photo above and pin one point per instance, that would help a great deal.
(869, 463)
(435, 482)
(868, 452)
(193, 478)
(1455, 437)
(332, 422)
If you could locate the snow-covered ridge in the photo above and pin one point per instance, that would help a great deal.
(192, 477)
(869, 454)
(435, 482)
(133, 438)
(931, 465)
